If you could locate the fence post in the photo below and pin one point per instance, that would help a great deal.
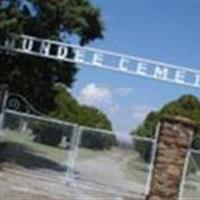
(73, 153)
(3, 101)
(153, 157)
(184, 174)
(173, 144)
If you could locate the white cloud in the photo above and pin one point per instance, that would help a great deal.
(95, 95)
(124, 117)
(92, 94)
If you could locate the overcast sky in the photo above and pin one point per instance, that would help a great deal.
(166, 31)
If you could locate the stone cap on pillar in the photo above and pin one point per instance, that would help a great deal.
(182, 120)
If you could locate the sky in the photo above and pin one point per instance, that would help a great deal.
(162, 30)
(167, 31)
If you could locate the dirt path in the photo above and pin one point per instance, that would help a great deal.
(101, 176)
(109, 169)
(22, 184)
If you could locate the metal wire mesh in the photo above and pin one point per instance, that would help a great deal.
(35, 154)
(192, 179)
(68, 161)
(113, 165)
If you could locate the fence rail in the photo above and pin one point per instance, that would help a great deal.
(94, 156)
(191, 187)
(94, 159)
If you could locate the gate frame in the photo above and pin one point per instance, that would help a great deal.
(183, 182)
(2, 115)
(121, 68)
(75, 142)
(155, 144)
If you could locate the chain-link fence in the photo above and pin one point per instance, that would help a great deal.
(47, 157)
(111, 165)
(191, 188)
(35, 155)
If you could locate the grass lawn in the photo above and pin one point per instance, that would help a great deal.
(20, 145)
(192, 190)
(47, 151)
(137, 169)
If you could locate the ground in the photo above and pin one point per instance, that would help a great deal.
(35, 171)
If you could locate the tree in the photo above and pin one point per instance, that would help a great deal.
(68, 109)
(147, 128)
(93, 117)
(186, 106)
(34, 77)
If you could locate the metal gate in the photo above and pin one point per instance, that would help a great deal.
(81, 165)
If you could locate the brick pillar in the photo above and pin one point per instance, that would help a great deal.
(173, 142)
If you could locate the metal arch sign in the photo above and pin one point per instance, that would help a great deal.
(103, 59)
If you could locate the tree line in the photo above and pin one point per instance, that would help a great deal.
(185, 106)
(36, 78)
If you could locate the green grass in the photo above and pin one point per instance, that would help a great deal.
(192, 190)
(137, 170)
(50, 152)
(56, 154)
(85, 153)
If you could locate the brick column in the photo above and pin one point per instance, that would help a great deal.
(173, 142)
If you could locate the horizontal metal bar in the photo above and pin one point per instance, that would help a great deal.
(195, 151)
(86, 128)
(136, 58)
(144, 138)
(52, 120)
(46, 119)
(189, 83)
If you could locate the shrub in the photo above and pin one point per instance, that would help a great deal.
(144, 149)
(97, 141)
(47, 134)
